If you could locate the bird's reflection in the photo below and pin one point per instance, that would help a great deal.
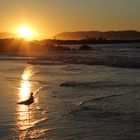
(25, 116)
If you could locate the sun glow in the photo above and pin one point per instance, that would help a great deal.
(25, 32)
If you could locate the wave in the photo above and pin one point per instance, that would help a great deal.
(98, 99)
(39, 62)
(96, 84)
(88, 113)
(36, 133)
(71, 68)
(91, 113)
(90, 58)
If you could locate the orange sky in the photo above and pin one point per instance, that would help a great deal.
(49, 17)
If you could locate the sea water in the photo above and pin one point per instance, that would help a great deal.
(72, 101)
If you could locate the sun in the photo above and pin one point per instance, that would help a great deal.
(25, 32)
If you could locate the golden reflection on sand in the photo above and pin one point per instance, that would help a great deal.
(25, 115)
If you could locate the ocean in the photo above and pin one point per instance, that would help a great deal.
(74, 99)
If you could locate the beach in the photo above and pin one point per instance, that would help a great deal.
(77, 99)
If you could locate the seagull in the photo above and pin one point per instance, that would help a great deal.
(28, 101)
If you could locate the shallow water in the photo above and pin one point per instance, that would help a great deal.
(72, 102)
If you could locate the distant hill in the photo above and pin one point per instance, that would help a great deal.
(7, 35)
(126, 35)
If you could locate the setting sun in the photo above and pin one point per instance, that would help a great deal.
(25, 32)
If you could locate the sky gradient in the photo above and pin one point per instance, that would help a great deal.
(49, 17)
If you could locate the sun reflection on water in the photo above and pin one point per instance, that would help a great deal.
(25, 85)
(25, 116)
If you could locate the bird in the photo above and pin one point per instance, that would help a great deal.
(28, 101)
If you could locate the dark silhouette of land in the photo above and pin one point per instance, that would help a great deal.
(21, 45)
(61, 41)
(7, 35)
(109, 35)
